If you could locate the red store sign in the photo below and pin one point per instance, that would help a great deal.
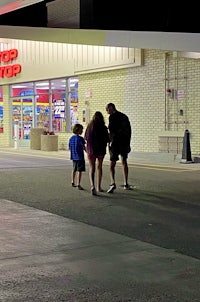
(8, 71)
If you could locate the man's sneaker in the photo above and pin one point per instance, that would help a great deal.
(128, 187)
(112, 188)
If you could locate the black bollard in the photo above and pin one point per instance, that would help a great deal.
(186, 151)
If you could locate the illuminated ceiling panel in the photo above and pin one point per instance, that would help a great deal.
(7, 6)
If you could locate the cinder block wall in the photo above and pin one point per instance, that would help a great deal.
(140, 92)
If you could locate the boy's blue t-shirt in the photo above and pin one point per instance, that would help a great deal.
(76, 147)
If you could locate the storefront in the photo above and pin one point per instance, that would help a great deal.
(52, 86)
(51, 105)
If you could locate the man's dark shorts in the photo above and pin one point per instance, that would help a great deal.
(115, 152)
(79, 165)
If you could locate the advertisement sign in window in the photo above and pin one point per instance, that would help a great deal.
(59, 108)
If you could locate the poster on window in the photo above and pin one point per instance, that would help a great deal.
(59, 108)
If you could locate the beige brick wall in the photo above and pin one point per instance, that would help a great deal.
(105, 87)
(140, 92)
(63, 139)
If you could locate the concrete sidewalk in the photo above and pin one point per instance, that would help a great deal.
(45, 257)
(139, 158)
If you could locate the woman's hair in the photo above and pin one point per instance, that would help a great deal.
(98, 118)
(77, 128)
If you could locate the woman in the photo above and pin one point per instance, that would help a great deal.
(97, 138)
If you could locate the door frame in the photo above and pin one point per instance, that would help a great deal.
(19, 118)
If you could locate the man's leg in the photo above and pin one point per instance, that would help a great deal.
(125, 171)
(112, 177)
(112, 172)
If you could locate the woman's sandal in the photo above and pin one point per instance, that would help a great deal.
(93, 191)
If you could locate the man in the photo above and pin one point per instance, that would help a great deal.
(120, 136)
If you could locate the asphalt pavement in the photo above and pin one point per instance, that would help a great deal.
(48, 257)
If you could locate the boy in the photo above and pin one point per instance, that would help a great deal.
(77, 148)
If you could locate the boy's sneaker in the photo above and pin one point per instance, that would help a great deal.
(73, 185)
(112, 188)
(79, 187)
(128, 187)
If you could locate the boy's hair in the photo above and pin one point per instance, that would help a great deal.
(77, 128)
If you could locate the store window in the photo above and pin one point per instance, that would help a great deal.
(42, 98)
(59, 105)
(1, 110)
(49, 104)
(22, 108)
(73, 97)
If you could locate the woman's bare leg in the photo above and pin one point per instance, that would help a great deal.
(99, 173)
(92, 163)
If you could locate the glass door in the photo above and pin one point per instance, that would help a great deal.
(22, 119)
